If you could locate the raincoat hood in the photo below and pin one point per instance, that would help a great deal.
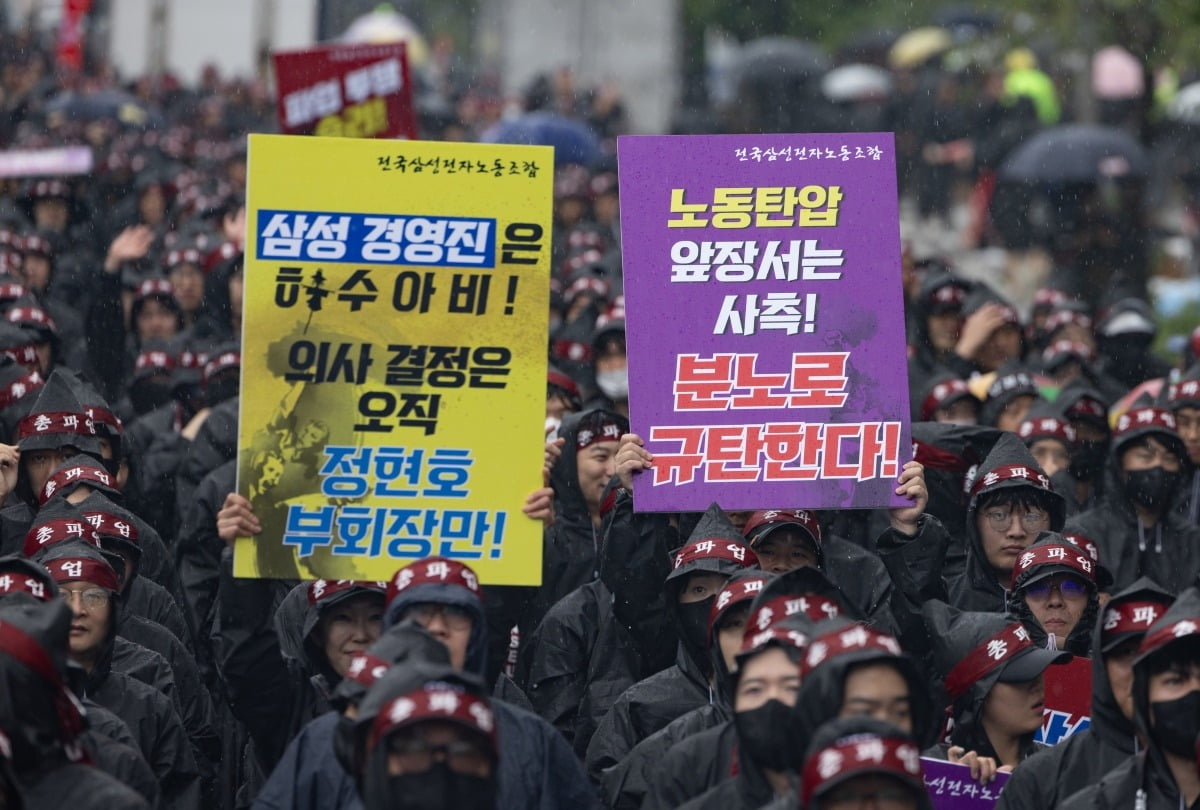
(1012, 380)
(442, 582)
(578, 431)
(950, 453)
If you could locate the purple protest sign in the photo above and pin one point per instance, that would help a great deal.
(764, 320)
(951, 787)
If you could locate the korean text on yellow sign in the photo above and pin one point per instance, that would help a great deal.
(393, 357)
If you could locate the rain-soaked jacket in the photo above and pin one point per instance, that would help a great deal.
(652, 703)
(1085, 757)
(608, 634)
(537, 768)
(1146, 773)
(569, 547)
(693, 766)
(1169, 552)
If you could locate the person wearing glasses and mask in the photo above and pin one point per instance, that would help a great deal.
(1137, 525)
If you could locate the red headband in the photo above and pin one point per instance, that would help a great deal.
(79, 474)
(113, 526)
(1012, 472)
(57, 531)
(83, 569)
(11, 582)
(320, 590)
(20, 315)
(754, 639)
(940, 393)
(1146, 418)
(20, 388)
(814, 606)
(433, 571)
(1047, 427)
(1184, 391)
(55, 423)
(1132, 617)
(434, 703)
(857, 753)
(848, 639)
(1055, 554)
(796, 517)
(985, 658)
(734, 593)
(103, 416)
(1165, 635)
(716, 549)
(366, 669)
(1086, 543)
(25, 355)
(607, 432)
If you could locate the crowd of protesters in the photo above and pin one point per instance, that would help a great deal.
(730, 659)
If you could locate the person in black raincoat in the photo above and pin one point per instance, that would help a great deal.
(626, 784)
(41, 721)
(992, 673)
(1136, 527)
(1055, 594)
(1166, 715)
(273, 694)
(1049, 437)
(939, 324)
(947, 399)
(1085, 757)
(89, 583)
(990, 337)
(1123, 337)
(854, 760)
(1082, 483)
(307, 777)
(1009, 397)
(1010, 502)
(579, 477)
(714, 551)
(538, 769)
(697, 756)
(1183, 398)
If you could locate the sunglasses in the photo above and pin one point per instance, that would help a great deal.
(1068, 587)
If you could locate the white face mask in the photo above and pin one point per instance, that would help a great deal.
(614, 384)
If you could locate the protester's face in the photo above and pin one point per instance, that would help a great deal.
(557, 406)
(959, 412)
(40, 465)
(188, 283)
(1014, 413)
(90, 615)
(35, 271)
(350, 627)
(700, 586)
(877, 690)
(51, 214)
(155, 320)
(1006, 531)
(786, 550)
(596, 464)
(1174, 682)
(411, 750)
(944, 329)
(1187, 422)
(1057, 603)
(1150, 453)
(1051, 455)
(738, 519)
(1003, 345)
(730, 632)
(449, 624)
(1118, 663)
(870, 790)
(766, 676)
(606, 208)
(152, 205)
(1014, 709)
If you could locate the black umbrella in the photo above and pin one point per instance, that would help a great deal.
(779, 58)
(103, 105)
(1076, 153)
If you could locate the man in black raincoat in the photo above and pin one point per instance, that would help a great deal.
(1082, 483)
(713, 553)
(1136, 527)
(939, 324)
(1166, 715)
(1085, 757)
(40, 720)
(1055, 594)
(537, 769)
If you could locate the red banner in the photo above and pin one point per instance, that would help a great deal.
(349, 91)
(1068, 701)
(70, 33)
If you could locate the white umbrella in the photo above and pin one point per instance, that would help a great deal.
(1185, 106)
(856, 82)
(385, 24)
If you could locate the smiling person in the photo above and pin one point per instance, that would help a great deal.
(993, 678)
(1054, 594)
(1166, 714)
(1136, 525)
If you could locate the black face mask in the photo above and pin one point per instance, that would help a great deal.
(440, 788)
(217, 391)
(693, 622)
(1088, 459)
(1151, 488)
(1177, 723)
(147, 396)
(767, 735)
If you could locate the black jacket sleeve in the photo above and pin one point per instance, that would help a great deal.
(915, 566)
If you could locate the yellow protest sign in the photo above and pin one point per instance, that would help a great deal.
(393, 356)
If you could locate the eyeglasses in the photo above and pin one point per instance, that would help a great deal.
(1001, 519)
(91, 599)
(418, 756)
(455, 617)
(852, 798)
(1069, 587)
